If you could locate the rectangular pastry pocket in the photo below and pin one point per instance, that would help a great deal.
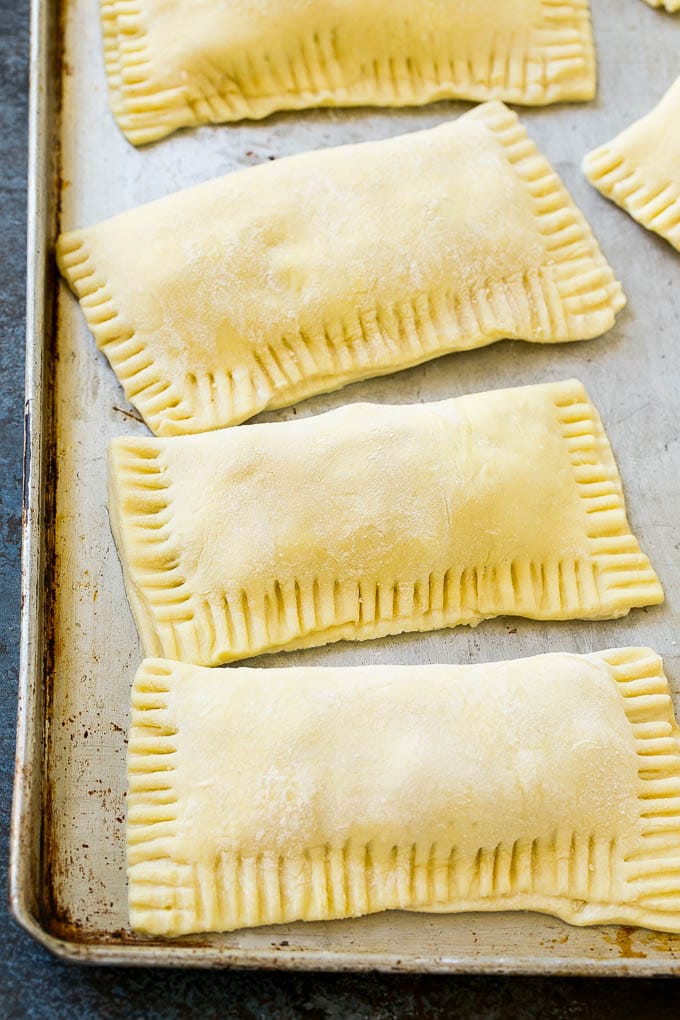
(372, 520)
(172, 65)
(260, 796)
(257, 289)
(640, 168)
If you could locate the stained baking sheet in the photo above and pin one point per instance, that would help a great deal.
(79, 644)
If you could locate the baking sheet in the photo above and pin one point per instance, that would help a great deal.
(79, 645)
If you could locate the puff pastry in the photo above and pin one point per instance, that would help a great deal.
(266, 286)
(373, 520)
(173, 63)
(640, 168)
(266, 795)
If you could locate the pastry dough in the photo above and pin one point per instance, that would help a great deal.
(172, 63)
(640, 168)
(667, 5)
(266, 795)
(372, 520)
(266, 286)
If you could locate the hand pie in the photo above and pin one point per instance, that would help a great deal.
(266, 795)
(269, 285)
(640, 168)
(373, 520)
(173, 63)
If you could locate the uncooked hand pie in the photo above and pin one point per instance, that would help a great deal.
(372, 520)
(640, 168)
(260, 796)
(173, 63)
(266, 286)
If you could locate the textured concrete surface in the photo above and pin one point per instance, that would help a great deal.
(32, 984)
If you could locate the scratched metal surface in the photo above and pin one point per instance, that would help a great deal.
(80, 647)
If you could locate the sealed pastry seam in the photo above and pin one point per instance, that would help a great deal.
(171, 68)
(584, 825)
(547, 281)
(156, 397)
(640, 168)
(278, 547)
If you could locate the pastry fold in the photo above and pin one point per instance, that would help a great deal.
(269, 285)
(666, 5)
(187, 62)
(260, 796)
(372, 520)
(640, 168)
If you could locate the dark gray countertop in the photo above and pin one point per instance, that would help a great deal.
(32, 984)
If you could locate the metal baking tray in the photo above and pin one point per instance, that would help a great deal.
(79, 647)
